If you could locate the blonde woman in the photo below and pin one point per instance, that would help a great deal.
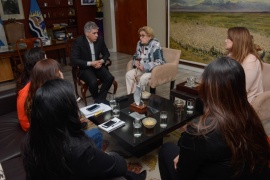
(240, 47)
(148, 55)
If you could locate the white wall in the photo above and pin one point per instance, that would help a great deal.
(109, 24)
(156, 18)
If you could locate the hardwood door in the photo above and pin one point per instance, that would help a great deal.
(130, 15)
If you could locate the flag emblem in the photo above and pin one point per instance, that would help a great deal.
(3, 39)
(36, 22)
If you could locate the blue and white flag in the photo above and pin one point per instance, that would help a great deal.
(3, 39)
(36, 22)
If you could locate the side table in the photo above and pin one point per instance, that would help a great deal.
(186, 93)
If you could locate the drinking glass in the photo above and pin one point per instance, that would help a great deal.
(163, 119)
(190, 106)
(179, 104)
(137, 128)
(116, 110)
(112, 100)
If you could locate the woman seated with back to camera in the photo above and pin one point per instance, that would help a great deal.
(57, 148)
(45, 70)
(32, 56)
(148, 55)
(228, 141)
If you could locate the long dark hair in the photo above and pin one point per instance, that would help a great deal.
(223, 92)
(54, 120)
(32, 56)
(43, 71)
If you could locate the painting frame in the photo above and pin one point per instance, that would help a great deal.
(88, 2)
(204, 27)
(8, 15)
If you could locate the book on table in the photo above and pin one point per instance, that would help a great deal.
(111, 125)
(94, 109)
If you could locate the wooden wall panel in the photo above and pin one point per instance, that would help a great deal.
(129, 17)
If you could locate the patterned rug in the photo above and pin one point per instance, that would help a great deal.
(148, 162)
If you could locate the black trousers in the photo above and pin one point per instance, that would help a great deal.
(91, 75)
(167, 153)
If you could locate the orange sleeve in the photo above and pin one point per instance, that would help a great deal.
(23, 119)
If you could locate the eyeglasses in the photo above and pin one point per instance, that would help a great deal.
(142, 35)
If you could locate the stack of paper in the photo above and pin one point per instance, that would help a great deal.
(111, 125)
(101, 109)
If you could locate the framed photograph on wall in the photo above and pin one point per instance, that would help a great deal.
(11, 9)
(88, 2)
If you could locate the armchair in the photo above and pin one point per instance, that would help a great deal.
(163, 73)
(261, 103)
(14, 31)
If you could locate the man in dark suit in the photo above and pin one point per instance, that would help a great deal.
(90, 53)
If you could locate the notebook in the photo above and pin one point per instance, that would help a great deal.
(111, 125)
(102, 108)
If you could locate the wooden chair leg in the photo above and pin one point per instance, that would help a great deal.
(172, 85)
(115, 86)
(152, 90)
(83, 92)
(75, 81)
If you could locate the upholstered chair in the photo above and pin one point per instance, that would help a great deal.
(164, 73)
(261, 104)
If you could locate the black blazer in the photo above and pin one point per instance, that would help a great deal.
(81, 53)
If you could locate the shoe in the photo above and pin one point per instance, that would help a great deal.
(142, 175)
(133, 176)
(83, 125)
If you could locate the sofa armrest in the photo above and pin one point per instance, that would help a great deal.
(129, 65)
(261, 105)
(8, 99)
(162, 74)
(13, 168)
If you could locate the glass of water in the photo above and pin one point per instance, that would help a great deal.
(116, 110)
(179, 105)
(137, 128)
(163, 119)
(112, 101)
(190, 106)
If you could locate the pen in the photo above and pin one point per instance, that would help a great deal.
(98, 112)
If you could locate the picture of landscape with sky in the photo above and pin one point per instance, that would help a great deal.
(199, 27)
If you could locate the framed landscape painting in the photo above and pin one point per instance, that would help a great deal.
(199, 27)
(11, 9)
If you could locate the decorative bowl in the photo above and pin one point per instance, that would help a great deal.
(146, 95)
(149, 122)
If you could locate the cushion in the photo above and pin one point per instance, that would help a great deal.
(11, 136)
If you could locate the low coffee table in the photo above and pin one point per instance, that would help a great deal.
(150, 139)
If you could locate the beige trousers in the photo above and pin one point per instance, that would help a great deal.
(141, 76)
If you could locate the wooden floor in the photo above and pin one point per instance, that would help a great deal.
(118, 70)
